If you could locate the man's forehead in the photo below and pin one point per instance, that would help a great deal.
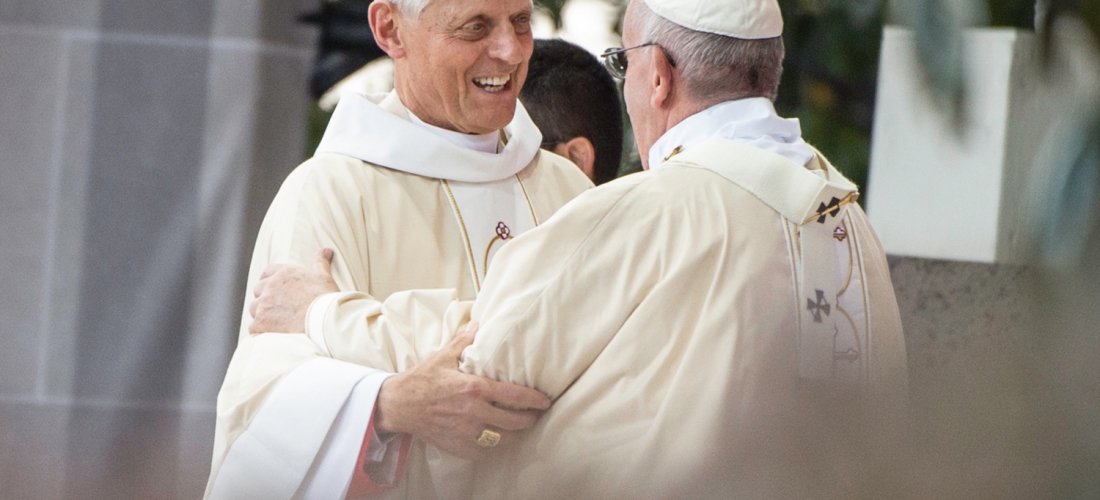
(451, 9)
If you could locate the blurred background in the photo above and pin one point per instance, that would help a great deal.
(141, 142)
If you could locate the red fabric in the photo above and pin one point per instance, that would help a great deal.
(362, 486)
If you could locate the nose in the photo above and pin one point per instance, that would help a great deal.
(509, 47)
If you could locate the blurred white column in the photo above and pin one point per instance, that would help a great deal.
(941, 192)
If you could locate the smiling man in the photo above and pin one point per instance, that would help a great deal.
(722, 325)
(416, 189)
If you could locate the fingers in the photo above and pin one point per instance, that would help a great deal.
(511, 420)
(270, 270)
(322, 261)
(453, 350)
(514, 396)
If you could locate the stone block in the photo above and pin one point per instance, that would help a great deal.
(971, 338)
(33, 450)
(30, 74)
(235, 135)
(939, 191)
(282, 108)
(272, 22)
(139, 220)
(72, 14)
(126, 451)
(66, 259)
(190, 18)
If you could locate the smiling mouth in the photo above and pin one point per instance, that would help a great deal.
(493, 84)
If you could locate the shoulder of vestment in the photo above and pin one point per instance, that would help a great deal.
(549, 166)
(334, 173)
(681, 188)
(798, 193)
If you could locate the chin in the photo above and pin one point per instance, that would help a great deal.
(496, 119)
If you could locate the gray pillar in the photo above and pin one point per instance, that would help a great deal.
(140, 144)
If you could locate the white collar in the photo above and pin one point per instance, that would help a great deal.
(377, 130)
(751, 121)
(486, 143)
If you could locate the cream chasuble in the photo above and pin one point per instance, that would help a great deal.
(403, 208)
(674, 316)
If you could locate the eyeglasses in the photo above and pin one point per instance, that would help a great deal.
(614, 59)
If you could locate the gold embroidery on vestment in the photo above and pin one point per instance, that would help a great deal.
(848, 280)
(529, 205)
(465, 235)
(850, 198)
(678, 150)
(858, 255)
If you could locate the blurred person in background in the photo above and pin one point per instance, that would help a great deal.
(575, 103)
(415, 189)
(746, 319)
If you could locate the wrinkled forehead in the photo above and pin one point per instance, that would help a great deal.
(469, 8)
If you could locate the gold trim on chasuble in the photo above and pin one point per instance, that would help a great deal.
(504, 233)
(790, 230)
(861, 352)
(857, 349)
(527, 198)
(465, 235)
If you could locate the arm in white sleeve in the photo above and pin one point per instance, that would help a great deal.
(558, 294)
(391, 335)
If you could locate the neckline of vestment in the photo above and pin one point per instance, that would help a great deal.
(378, 130)
(751, 121)
(798, 193)
(486, 143)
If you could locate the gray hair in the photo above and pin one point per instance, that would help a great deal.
(716, 67)
(411, 8)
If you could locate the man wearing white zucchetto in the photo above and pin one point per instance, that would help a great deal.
(688, 322)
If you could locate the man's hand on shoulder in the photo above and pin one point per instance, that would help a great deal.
(450, 409)
(284, 293)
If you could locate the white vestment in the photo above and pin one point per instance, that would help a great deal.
(403, 208)
(671, 315)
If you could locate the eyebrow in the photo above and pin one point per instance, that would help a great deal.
(455, 22)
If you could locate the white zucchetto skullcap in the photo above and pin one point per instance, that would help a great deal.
(745, 19)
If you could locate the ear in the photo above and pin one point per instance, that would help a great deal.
(385, 21)
(662, 78)
(581, 152)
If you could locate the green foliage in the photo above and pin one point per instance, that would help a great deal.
(552, 7)
(829, 77)
(1011, 13)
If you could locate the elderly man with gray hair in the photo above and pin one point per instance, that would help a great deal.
(741, 285)
(741, 295)
(419, 188)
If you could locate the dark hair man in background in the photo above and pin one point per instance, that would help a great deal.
(575, 102)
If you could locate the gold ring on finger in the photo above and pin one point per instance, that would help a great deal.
(488, 439)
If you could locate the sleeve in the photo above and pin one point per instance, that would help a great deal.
(347, 448)
(281, 396)
(557, 295)
(394, 334)
(379, 464)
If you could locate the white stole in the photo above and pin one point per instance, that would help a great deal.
(489, 201)
(826, 255)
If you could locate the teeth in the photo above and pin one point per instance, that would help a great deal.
(493, 84)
